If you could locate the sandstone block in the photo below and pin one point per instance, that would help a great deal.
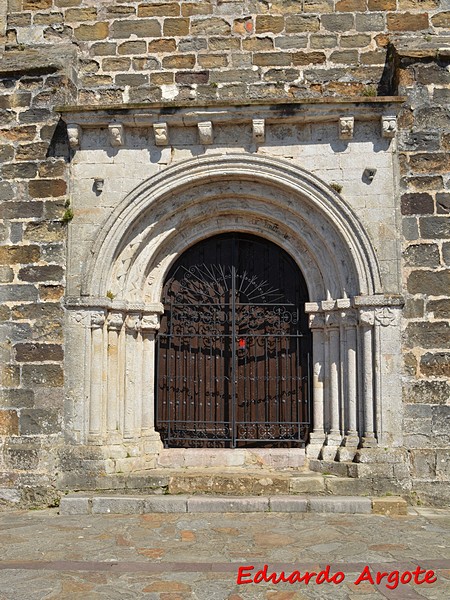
(351, 5)
(158, 46)
(369, 22)
(417, 204)
(301, 23)
(103, 49)
(9, 422)
(272, 58)
(47, 375)
(269, 24)
(211, 61)
(307, 58)
(88, 33)
(47, 188)
(286, 42)
(189, 78)
(176, 27)
(36, 4)
(358, 40)
(81, 14)
(19, 254)
(430, 392)
(441, 19)
(224, 43)
(391, 505)
(189, 9)
(159, 9)
(131, 79)
(407, 21)
(435, 365)
(338, 22)
(24, 170)
(306, 484)
(134, 47)
(35, 421)
(186, 61)
(141, 28)
(429, 282)
(210, 26)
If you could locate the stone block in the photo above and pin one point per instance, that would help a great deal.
(25, 170)
(288, 504)
(431, 392)
(18, 293)
(165, 504)
(301, 23)
(98, 31)
(36, 274)
(419, 141)
(358, 40)
(81, 14)
(45, 232)
(391, 505)
(440, 423)
(189, 9)
(38, 352)
(369, 22)
(143, 28)
(422, 255)
(307, 58)
(131, 79)
(9, 422)
(35, 421)
(210, 26)
(19, 254)
(428, 163)
(439, 308)
(47, 375)
(117, 505)
(16, 398)
(159, 9)
(351, 5)
(272, 59)
(175, 27)
(74, 505)
(187, 45)
(269, 24)
(345, 486)
(349, 57)
(407, 21)
(189, 78)
(429, 282)
(435, 365)
(441, 19)
(21, 210)
(103, 49)
(211, 504)
(185, 61)
(423, 463)
(306, 484)
(443, 203)
(341, 504)
(338, 22)
(320, 41)
(133, 47)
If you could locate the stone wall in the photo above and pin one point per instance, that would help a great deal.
(60, 52)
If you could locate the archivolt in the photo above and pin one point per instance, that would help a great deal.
(200, 197)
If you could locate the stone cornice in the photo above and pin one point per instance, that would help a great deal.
(308, 110)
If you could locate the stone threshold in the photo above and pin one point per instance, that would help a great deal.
(97, 504)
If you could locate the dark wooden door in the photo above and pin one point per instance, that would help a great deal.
(233, 348)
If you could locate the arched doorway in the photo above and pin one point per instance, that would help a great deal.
(234, 347)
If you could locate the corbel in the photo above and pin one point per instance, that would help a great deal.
(388, 126)
(205, 130)
(259, 130)
(74, 135)
(346, 128)
(116, 134)
(161, 132)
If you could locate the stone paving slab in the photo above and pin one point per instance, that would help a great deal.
(73, 504)
(202, 556)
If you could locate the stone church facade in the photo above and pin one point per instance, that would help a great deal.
(131, 133)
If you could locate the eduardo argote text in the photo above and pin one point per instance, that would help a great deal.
(391, 579)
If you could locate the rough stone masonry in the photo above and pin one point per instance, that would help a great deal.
(204, 72)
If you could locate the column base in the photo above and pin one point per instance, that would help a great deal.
(333, 441)
(369, 441)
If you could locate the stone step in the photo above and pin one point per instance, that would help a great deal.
(98, 504)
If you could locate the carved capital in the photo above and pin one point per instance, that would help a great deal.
(346, 128)
(388, 126)
(74, 135)
(161, 132)
(115, 320)
(366, 318)
(116, 134)
(385, 316)
(259, 131)
(98, 319)
(150, 322)
(316, 320)
(333, 319)
(80, 318)
(133, 322)
(349, 318)
(205, 131)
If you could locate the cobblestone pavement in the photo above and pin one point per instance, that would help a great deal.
(191, 556)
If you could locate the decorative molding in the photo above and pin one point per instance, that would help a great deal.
(346, 128)
(116, 134)
(366, 318)
(74, 135)
(205, 130)
(259, 131)
(388, 126)
(385, 316)
(79, 318)
(161, 131)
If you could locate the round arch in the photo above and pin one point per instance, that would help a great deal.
(201, 197)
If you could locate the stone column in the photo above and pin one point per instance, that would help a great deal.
(115, 374)
(95, 428)
(351, 439)
(132, 375)
(149, 328)
(317, 436)
(334, 438)
(366, 320)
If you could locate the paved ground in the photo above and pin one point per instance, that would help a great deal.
(197, 556)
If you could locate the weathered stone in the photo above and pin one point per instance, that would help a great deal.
(159, 9)
(427, 74)
(24, 170)
(392, 506)
(35, 421)
(19, 254)
(38, 352)
(443, 203)
(429, 163)
(428, 334)
(407, 21)
(241, 504)
(47, 188)
(269, 24)
(338, 22)
(98, 31)
(307, 58)
(117, 505)
(103, 49)
(176, 27)
(6, 276)
(186, 61)
(272, 58)
(431, 392)
(359, 40)
(440, 309)
(301, 23)
(73, 505)
(437, 117)
(340, 504)
(429, 282)
(434, 227)
(422, 255)
(189, 9)
(441, 19)
(421, 141)
(141, 28)
(369, 22)
(320, 41)
(350, 5)
(210, 26)
(417, 204)
(285, 42)
(192, 77)
(17, 292)
(134, 47)
(42, 375)
(45, 232)
(9, 422)
(435, 365)
(16, 398)
(165, 504)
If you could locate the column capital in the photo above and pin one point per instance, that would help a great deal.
(115, 320)
(98, 319)
(316, 320)
(150, 322)
(349, 318)
(366, 317)
(133, 322)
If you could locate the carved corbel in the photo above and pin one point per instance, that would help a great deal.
(74, 135)
(116, 134)
(205, 130)
(346, 128)
(259, 130)
(161, 132)
(388, 126)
